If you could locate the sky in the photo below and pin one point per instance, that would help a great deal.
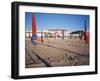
(45, 21)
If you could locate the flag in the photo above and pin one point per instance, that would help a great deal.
(87, 37)
(34, 36)
(33, 24)
(86, 34)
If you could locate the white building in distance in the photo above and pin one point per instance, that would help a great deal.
(51, 33)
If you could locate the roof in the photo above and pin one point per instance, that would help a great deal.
(57, 30)
(77, 32)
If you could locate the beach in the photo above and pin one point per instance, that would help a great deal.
(54, 52)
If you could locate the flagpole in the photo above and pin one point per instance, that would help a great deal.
(42, 36)
(84, 40)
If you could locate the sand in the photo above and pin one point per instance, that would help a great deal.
(56, 53)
